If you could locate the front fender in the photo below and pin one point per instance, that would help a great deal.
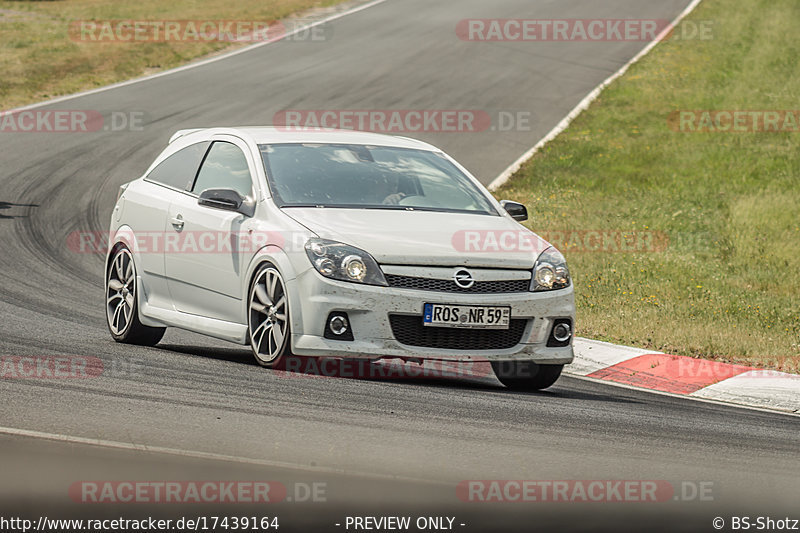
(280, 260)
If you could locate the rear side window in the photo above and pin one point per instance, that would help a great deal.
(225, 167)
(179, 169)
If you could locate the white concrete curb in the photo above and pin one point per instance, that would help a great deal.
(722, 382)
(591, 355)
(768, 389)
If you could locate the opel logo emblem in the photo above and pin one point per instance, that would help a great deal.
(463, 278)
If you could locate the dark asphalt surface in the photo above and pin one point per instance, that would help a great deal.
(381, 446)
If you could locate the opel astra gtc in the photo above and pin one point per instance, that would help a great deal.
(335, 243)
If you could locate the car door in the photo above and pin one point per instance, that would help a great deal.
(145, 211)
(202, 259)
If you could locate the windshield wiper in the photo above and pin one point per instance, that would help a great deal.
(389, 208)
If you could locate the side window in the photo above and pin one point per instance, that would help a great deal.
(179, 169)
(225, 167)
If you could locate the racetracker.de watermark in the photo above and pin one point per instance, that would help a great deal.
(574, 241)
(50, 367)
(70, 121)
(396, 121)
(362, 368)
(735, 121)
(184, 242)
(177, 492)
(583, 491)
(198, 31)
(688, 368)
(384, 120)
(581, 30)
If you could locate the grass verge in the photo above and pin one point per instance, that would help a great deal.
(39, 59)
(727, 284)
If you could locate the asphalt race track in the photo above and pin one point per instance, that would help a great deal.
(380, 446)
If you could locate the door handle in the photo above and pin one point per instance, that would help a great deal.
(177, 221)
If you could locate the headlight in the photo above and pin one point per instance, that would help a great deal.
(550, 271)
(340, 261)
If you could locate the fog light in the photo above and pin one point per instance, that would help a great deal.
(562, 332)
(338, 325)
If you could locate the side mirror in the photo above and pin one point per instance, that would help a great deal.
(227, 200)
(517, 211)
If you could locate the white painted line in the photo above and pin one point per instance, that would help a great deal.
(192, 454)
(202, 62)
(584, 104)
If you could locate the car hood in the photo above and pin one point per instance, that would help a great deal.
(400, 237)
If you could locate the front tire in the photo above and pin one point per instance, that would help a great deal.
(526, 375)
(268, 318)
(122, 307)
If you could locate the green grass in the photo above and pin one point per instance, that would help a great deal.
(727, 287)
(38, 60)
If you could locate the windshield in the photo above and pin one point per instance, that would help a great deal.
(369, 177)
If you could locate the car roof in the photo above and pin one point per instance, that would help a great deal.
(278, 135)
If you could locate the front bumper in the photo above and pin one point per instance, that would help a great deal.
(369, 307)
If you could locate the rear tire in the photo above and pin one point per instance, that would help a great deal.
(122, 306)
(526, 375)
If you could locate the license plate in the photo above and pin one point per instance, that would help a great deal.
(466, 316)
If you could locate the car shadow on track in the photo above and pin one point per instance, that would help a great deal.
(438, 374)
(560, 391)
(234, 355)
(430, 373)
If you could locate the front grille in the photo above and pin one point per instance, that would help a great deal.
(448, 285)
(409, 330)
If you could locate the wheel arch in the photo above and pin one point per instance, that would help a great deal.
(125, 236)
(278, 258)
